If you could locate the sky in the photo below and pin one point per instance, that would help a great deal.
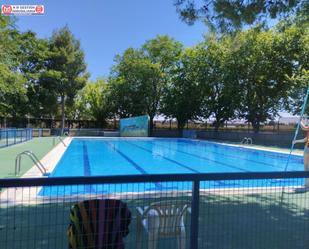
(108, 27)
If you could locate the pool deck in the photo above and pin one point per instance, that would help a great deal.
(39, 146)
(50, 160)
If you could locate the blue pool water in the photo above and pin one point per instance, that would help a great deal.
(125, 156)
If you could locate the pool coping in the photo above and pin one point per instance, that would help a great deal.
(257, 147)
(29, 196)
(253, 147)
(50, 160)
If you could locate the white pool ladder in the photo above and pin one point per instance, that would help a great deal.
(34, 159)
(60, 139)
(247, 140)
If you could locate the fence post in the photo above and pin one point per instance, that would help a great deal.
(195, 214)
(7, 138)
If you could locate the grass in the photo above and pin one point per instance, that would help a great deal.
(226, 222)
(39, 146)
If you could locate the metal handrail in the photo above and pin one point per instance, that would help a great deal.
(34, 159)
(247, 140)
(60, 139)
(244, 140)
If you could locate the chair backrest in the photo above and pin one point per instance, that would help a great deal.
(170, 215)
(98, 224)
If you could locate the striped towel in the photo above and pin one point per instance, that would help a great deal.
(98, 224)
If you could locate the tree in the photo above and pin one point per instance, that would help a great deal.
(32, 56)
(12, 92)
(12, 84)
(182, 96)
(262, 72)
(299, 85)
(295, 48)
(230, 15)
(92, 102)
(218, 80)
(139, 77)
(130, 80)
(66, 69)
(164, 52)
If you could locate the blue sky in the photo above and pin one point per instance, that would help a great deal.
(108, 27)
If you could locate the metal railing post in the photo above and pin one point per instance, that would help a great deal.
(15, 136)
(7, 138)
(195, 214)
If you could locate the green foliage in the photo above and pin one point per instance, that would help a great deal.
(92, 102)
(165, 53)
(139, 77)
(33, 54)
(12, 83)
(262, 71)
(251, 74)
(129, 82)
(230, 15)
(163, 50)
(296, 43)
(217, 78)
(182, 96)
(299, 85)
(12, 92)
(65, 72)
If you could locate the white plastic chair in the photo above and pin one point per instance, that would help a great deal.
(162, 219)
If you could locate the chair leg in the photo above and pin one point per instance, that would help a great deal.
(152, 239)
(139, 230)
(182, 239)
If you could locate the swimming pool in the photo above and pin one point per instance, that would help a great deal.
(131, 156)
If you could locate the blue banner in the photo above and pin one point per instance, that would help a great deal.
(134, 127)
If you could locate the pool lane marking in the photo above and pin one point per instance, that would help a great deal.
(134, 164)
(87, 170)
(205, 158)
(235, 157)
(269, 154)
(166, 158)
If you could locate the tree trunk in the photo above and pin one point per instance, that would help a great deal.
(217, 126)
(62, 114)
(256, 126)
(180, 126)
(150, 126)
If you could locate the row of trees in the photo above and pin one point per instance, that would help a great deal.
(39, 77)
(250, 74)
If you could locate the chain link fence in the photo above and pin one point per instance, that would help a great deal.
(226, 210)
